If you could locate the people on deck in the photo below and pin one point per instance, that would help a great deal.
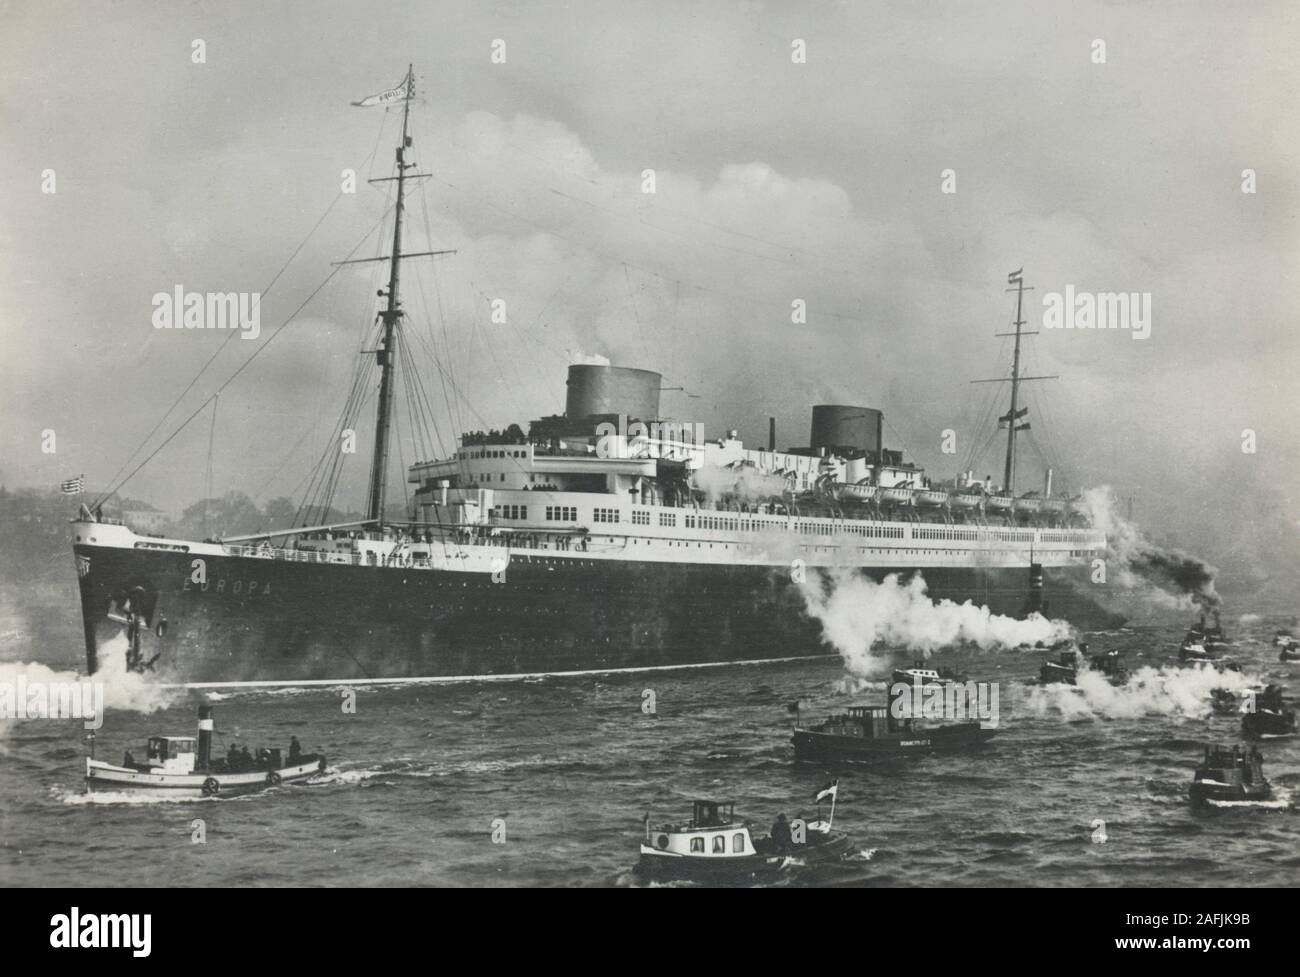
(295, 749)
(781, 834)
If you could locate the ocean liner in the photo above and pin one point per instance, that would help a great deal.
(607, 538)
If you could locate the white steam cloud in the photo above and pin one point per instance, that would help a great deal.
(1165, 691)
(862, 619)
(742, 484)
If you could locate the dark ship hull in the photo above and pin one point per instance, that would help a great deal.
(812, 745)
(266, 620)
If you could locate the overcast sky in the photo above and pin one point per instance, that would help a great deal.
(775, 181)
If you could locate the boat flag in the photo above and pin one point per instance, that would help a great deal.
(792, 707)
(403, 91)
(72, 486)
(1015, 277)
(830, 790)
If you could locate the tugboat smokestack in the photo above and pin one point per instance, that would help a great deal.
(205, 737)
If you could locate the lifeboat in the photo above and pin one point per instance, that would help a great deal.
(1029, 503)
(861, 492)
(966, 499)
(999, 503)
(897, 495)
(1054, 506)
(931, 497)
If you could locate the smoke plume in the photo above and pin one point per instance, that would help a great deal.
(1165, 576)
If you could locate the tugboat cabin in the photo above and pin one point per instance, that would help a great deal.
(173, 754)
(711, 832)
(869, 722)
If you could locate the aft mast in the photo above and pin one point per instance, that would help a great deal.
(387, 352)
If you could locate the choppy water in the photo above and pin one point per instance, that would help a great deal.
(419, 774)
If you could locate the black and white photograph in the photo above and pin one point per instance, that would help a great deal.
(567, 444)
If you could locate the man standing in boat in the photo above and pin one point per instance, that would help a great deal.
(781, 834)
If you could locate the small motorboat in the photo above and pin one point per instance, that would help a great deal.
(1225, 702)
(1271, 717)
(1068, 664)
(715, 847)
(1230, 775)
(183, 766)
(922, 674)
(1284, 638)
(1289, 647)
(864, 733)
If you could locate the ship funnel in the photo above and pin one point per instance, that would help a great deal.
(1047, 485)
(771, 434)
(595, 391)
(205, 736)
(848, 429)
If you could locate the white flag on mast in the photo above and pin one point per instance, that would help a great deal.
(403, 91)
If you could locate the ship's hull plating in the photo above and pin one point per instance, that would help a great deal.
(262, 620)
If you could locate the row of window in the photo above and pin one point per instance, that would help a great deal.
(925, 532)
(720, 844)
(496, 453)
(566, 513)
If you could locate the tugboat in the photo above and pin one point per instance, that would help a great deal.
(182, 766)
(1066, 668)
(1202, 644)
(714, 847)
(1272, 718)
(922, 673)
(871, 733)
(1230, 775)
(1214, 636)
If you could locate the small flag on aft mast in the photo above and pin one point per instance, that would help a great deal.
(830, 790)
(403, 91)
(72, 486)
(1015, 277)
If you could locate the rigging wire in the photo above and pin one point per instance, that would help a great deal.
(233, 333)
(231, 379)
